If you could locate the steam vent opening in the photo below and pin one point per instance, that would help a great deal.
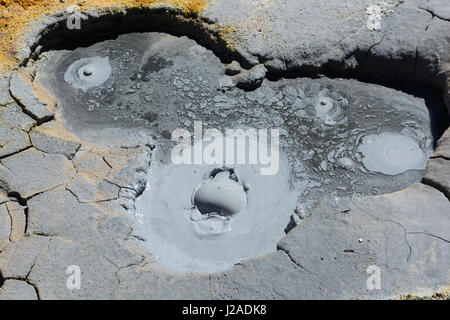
(320, 138)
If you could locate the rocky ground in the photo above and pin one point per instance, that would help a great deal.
(66, 200)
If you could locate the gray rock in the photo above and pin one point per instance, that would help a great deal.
(438, 175)
(12, 116)
(87, 161)
(251, 79)
(47, 139)
(433, 48)
(5, 98)
(5, 226)
(50, 273)
(225, 83)
(397, 49)
(439, 8)
(31, 172)
(129, 167)
(17, 290)
(345, 163)
(443, 146)
(18, 220)
(123, 205)
(3, 196)
(305, 36)
(14, 125)
(116, 227)
(117, 243)
(294, 221)
(19, 257)
(92, 190)
(273, 276)
(341, 245)
(12, 140)
(429, 259)
(64, 217)
(143, 283)
(22, 91)
(233, 68)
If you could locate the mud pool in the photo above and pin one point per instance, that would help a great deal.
(337, 139)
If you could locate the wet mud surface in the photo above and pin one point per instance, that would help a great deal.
(338, 138)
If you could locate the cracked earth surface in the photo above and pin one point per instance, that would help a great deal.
(67, 200)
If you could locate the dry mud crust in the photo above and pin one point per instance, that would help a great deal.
(295, 37)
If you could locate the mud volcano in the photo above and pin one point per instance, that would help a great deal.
(321, 139)
(224, 149)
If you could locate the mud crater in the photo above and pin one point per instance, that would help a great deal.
(338, 138)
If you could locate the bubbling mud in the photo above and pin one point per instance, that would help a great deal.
(392, 153)
(86, 73)
(338, 138)
(220, 195)
(192, 229)
(330, 112)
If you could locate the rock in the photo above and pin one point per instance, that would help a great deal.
(251, 79)
(433, 48)
(226, 83)
(3, 196)
(119, 158)
(273, 276)
(294, 221)
(14, 125)
(23, 92)
(18, 220)
(383, 222)
(439, 8)
(303, 209)
(51, 274)
(142, 283)
(12, 116)
(124, 206)
(129, 167)
(89, 161)
(233, 68)
(63, 217)
(19, 256)
(5, 98)
(5, 226)
(150, 116)
(438, 175)
(345, 163)
(401, 31)
(17, 290)
(51, 137)
(12, 140)
(120, 253)
(92, 189)
(443, 146)
(445, 74)
(116, 227)
(31, 172)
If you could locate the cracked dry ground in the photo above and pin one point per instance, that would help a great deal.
(65, 201)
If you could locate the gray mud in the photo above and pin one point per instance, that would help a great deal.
(161, 83)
